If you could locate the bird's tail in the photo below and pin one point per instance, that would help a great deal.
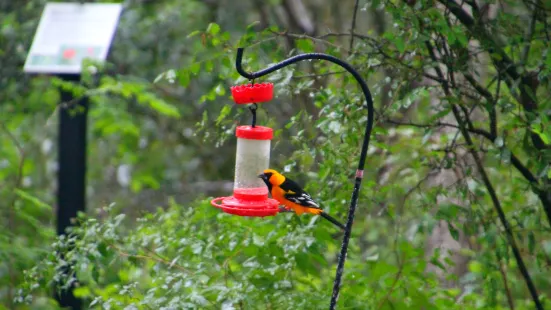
(332, 220)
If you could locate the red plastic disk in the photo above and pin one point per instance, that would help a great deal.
(254, 133)
(248, 202)
(243, 94)
(232, 205)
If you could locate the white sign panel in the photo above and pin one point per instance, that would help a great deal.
(70, 32)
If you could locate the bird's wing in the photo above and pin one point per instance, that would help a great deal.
(302, 199)
(295, 194)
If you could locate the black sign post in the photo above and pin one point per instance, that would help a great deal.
(71, 177)
(71, 157)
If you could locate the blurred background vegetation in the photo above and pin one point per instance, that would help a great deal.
(462, 133)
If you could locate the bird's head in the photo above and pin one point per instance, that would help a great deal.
(272, 177)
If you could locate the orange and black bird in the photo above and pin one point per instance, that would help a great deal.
(292, 196)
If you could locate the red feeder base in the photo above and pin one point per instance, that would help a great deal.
(248, 202)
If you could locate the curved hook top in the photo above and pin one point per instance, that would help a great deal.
(333, 59)
(239, 66)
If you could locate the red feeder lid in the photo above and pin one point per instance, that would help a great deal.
(243, 94)
(254, 133)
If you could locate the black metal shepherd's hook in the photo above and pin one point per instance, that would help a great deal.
(363, 154)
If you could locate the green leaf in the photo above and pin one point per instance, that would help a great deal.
(461, 37)
(225, 36)
(418, 93)
(223, 114)
(213, 29)
(32, 199)
(440, 114)
(220, 90)
(448, 211)
(498, 142)
(547, 247)
(372, 258)
(195, 67)
(82, 292)
(183, 77)
(475, 267)
(400, 44)
(209, 65)
(453, 231)
(164, 108)
(305, 45)
(194, 33)
(543, 136)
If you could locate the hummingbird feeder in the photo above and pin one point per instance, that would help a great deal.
(250, 194)
(250, 198)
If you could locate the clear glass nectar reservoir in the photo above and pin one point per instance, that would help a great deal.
(252, 157)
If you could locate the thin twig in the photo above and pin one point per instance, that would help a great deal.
(305, 36)
(263, 41)
(546, 27)
(475, 130)
(510, 299)
(354, 34)
(392, 287)
(157, 259)
(493, 114)
(352, 28)
(479, 88)
(528, 37)
(308, 76)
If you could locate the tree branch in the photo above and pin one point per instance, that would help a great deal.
(479, 88)
(157, 259)
(376, 45)
(489, 187)
(510, 299)
(493, 114)
(319, 39)
(475, 130)
(528, 37)
(392, 287)
(351, 47)
(526, 83)
(515, 161)
(354, 34)
(299, 17)
(523, 88)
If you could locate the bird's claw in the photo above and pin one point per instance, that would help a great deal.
(285, 209)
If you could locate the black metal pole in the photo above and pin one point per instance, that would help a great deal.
(363, 154)
(71, 191)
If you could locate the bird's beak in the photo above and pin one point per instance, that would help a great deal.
(262, 176)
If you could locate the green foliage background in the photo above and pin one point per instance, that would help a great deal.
(161, 145)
